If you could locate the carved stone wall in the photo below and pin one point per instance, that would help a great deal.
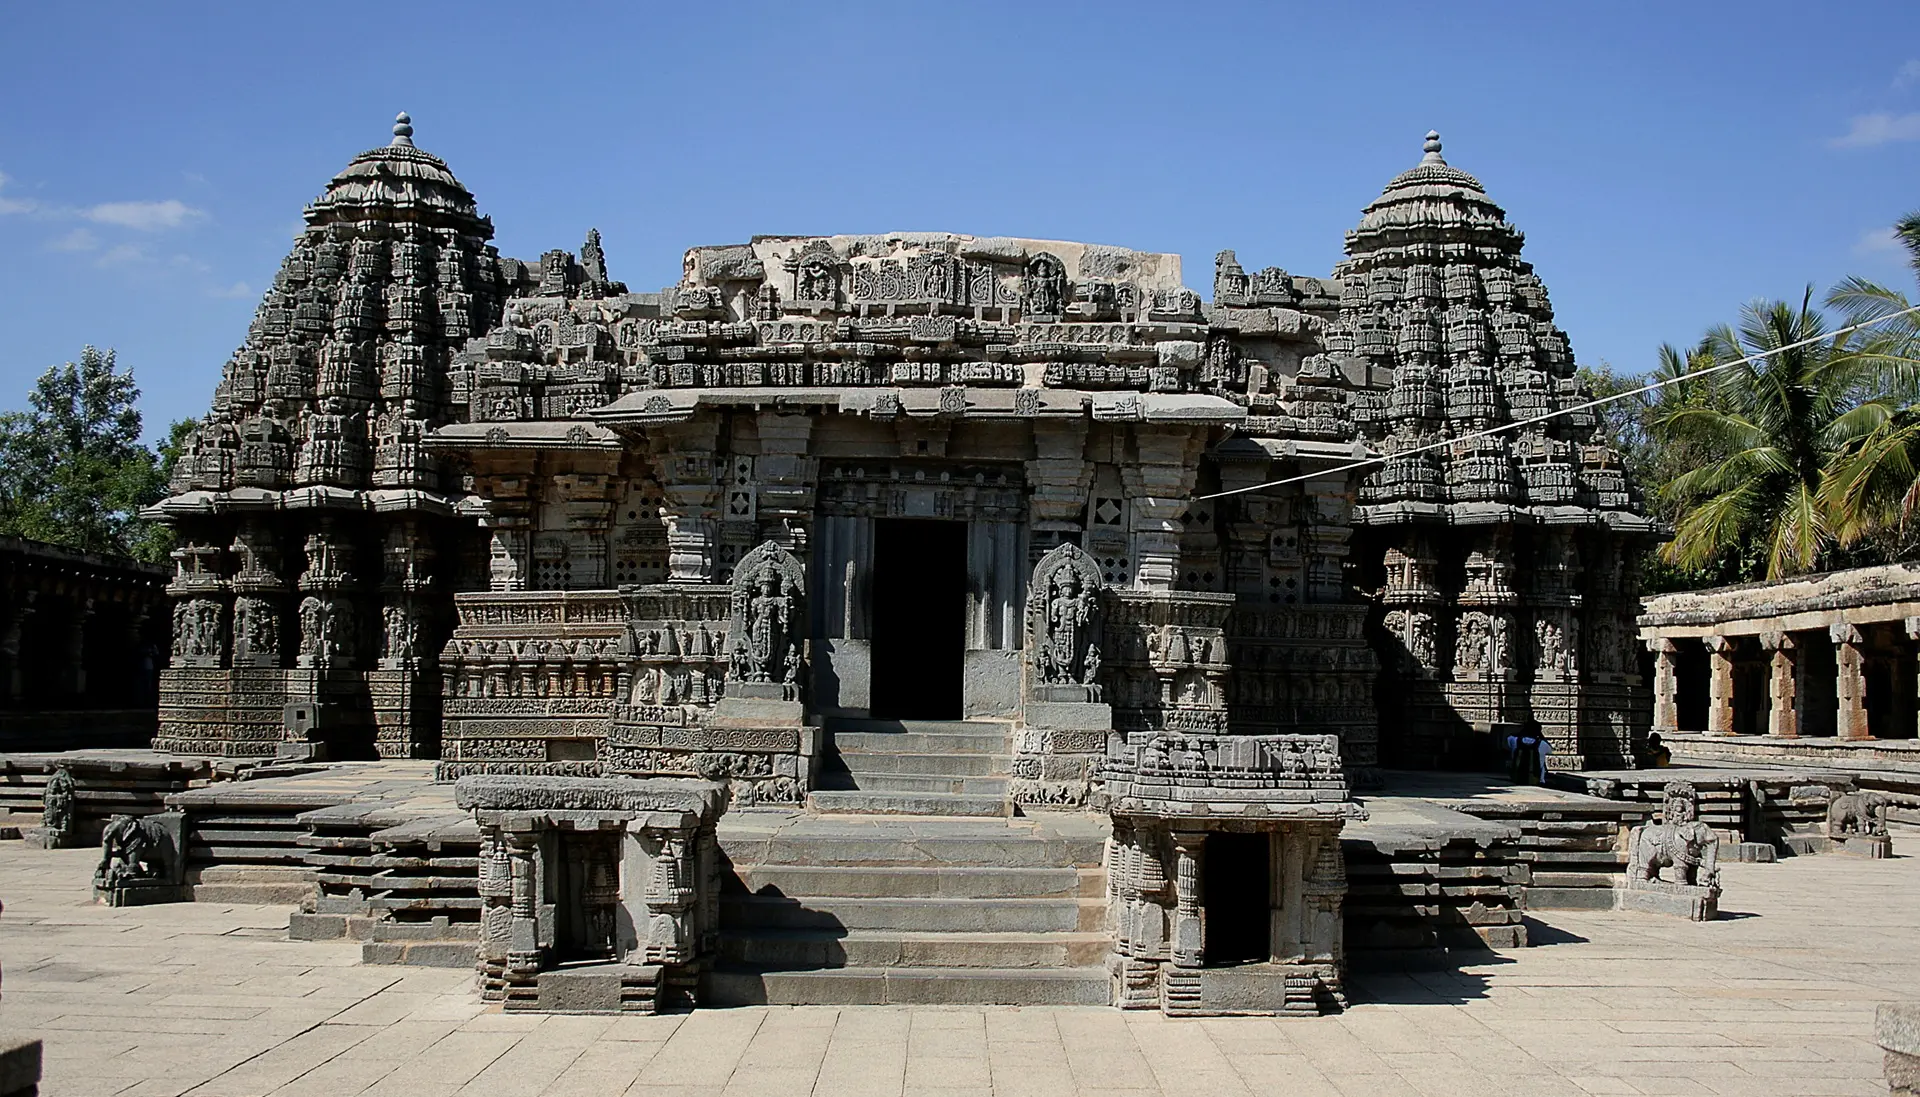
(414, 416)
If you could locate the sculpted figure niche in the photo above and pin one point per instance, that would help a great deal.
(1064, 626)
(1046, 287)
(763, 632)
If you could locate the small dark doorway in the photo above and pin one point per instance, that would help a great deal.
(1237, 889)
(585, 889)
(919, 618)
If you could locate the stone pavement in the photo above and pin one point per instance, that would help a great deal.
(211, 1000)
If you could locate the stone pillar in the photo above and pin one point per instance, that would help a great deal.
(10, 643)
(1908, 726)
(1850, 682)
(1157, 486)
(523, 946)
(1666, 686)
(1189, 931)
(1783, 709)
(76, 646)
(1719, 685)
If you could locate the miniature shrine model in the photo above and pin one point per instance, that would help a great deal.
(745, 625)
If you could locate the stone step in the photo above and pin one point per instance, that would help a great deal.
(743, 986)
(913, 782)
(949, 765)
(921, 882)
(849, 802)
(922, 742)
(897, 845)
(964, 727)
(811, 949)
(740, 913)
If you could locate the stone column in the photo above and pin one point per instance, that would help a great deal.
(1666, 686)
(684, 455)
(1913, 699)
(76, 645)
(1189, 932)
(523, 947)
(1157, 486)
(1850, 681)
(1783, 711)
(10, 643)
(1719, 685)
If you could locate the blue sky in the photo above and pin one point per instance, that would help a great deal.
(1667, 162)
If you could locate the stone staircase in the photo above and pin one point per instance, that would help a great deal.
(915, 767)
(847, 910)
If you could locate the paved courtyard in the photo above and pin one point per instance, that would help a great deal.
(211, 1000)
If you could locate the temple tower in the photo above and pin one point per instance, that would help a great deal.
(310, 518)
(1499, 547)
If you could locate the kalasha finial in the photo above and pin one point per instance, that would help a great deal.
(1432, 149)
(403, 130)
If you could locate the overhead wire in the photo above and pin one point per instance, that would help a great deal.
(1518, 423)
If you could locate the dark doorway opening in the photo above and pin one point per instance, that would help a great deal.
(919, 618)
(585, 887)
(1238, 907)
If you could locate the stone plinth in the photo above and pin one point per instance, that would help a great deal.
(1897, 1028)
(19, 1067)
(1698, 904)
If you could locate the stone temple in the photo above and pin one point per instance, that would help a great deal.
(913, 524)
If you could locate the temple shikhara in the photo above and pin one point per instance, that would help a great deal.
(1027, 534)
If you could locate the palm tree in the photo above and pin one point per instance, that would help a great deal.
(1772, 426)
(1872, 488)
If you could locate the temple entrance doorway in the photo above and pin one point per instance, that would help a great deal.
(919, 618)
(1237, 902)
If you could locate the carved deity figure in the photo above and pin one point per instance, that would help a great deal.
(400, 634)
(1680, 842)
(1063, 611)
(56, 808)
(1046, 286)
(1474, 650)
(762, 635)
(129, 852)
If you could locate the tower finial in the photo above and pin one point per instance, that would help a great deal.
(1432, 149)
(402, 130)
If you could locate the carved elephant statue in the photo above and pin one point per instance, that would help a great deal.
(1857, 813)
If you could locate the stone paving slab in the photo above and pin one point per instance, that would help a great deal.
(1777, 998)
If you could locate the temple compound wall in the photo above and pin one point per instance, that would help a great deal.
(453, 505)
(82, 641)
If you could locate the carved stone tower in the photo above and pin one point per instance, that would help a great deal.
(1501, 561)
(311, 518)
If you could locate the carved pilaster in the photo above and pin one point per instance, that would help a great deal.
(1850, 681)
(1719, 685)
(1189, 930)
(1157, 485)
(690, 492)
(1666, 686)
(1783, 709)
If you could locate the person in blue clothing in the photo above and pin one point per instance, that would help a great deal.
(1527, 755)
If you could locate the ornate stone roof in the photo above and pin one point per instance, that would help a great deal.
(1455, 329)
(399, 182)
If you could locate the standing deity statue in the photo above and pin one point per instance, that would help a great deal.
(1046, 286)
(763, 639)
(56, 809)
(1064, 622)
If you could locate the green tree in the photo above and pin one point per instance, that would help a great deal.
(1765, 438)
(72, 468)
(1872, 489)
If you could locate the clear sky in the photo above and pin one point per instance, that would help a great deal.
(1666, 161)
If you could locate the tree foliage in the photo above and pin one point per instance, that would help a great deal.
(72, 468)
(1792, 458)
